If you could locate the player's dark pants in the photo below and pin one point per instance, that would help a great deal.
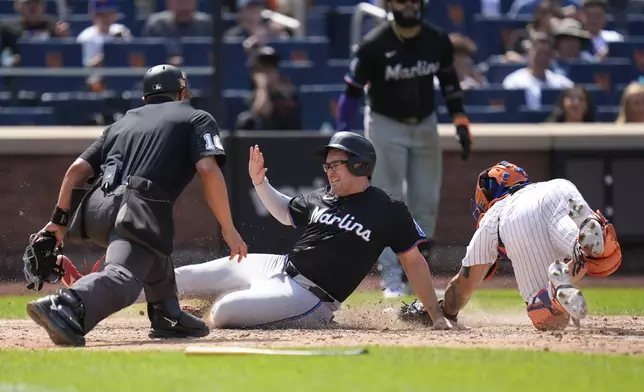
(129, 267)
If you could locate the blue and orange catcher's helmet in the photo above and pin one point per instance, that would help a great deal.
(494, 183)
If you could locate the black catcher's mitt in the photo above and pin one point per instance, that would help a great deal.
(40, 258)
(415, 313)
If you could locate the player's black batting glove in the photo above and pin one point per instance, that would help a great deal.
(463, 135)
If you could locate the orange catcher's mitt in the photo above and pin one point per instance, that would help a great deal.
(610, 260)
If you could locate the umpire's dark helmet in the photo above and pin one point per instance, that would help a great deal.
(164, 78)
(362, 155)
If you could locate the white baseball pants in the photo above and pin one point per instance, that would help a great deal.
(255, 292)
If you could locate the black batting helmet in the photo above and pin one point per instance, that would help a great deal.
(164, 78)
(362, 155)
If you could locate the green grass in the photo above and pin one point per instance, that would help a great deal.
(383, 369)
(602, 302)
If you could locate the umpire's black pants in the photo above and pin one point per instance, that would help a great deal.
(129, 267)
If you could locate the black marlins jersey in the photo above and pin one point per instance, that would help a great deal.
(344, 236)
(400, 72)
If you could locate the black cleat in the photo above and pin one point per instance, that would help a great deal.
(57, 319)
(168, 321)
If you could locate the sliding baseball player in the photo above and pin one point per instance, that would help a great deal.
(347, 225)
(549, 234)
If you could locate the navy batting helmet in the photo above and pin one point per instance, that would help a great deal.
(164, 78)
(362, 155)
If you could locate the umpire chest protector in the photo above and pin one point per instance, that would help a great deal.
(147, 160)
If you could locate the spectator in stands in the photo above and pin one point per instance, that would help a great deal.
(527, 7)
(253, 24)
(536, 75)
(464, 52)
(572, 42)
(275, 103)
(33, 23)
(594, 19)
(542, 22)
(181, 19)
(104, 29)
(575, 105)
(631, 109)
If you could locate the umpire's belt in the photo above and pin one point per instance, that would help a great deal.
(316, 290)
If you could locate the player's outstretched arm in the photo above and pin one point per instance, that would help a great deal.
(421, 281)
(275, 202)
(460, 289)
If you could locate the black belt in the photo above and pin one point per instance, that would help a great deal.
(318, 292)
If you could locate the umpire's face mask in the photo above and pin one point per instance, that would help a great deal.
(407, 13)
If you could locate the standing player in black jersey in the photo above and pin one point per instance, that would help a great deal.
(347, 225)
(397, 63)
(143, 163)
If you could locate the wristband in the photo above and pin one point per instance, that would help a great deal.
(60, 217)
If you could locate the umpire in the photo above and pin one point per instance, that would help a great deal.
(397, 62)
(143, 162)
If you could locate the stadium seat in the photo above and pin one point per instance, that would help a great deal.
(79, 107)
(319, 105)
(607, 113)
(632, 49)
(450, 14)
(14, 116)
(306, 49)
(497, 72)
(122, 83)
(604, 74)
(480, 115)
(197, 51)
(492, 33)
(54, 53)
(635, 25)
(236, 102)
(140, 52)
(495, 97)
(50, 83)
(527, 115)
(599, 96)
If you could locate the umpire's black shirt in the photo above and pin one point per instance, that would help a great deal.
(399, 71)
(344, 236)
(161, 141)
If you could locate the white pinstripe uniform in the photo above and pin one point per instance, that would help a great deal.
(536, 230)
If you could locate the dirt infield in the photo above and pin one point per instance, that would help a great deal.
(374, 325)
(618, 335)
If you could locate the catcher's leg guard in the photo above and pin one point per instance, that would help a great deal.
(546, 314)
(168, 320)
(591, 236)
(61, 316)
(570, 298)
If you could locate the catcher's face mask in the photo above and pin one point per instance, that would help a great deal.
(494, 183)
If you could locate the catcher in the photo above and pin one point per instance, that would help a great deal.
(549, 234)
